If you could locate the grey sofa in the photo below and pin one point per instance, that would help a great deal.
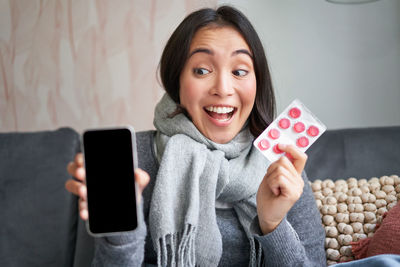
(359, 153)
(39, 221)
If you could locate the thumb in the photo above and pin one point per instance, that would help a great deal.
(297, 157)
(142, 179)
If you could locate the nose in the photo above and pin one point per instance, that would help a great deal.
(223, 85)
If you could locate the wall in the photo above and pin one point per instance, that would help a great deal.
(93, 63)
(85, 63)
(342, 61)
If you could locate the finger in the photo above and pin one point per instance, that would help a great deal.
(71, 168)
(84, 214)
(282, 162)
(73, 186)
(82, 192)
(80, 174)
(299, 158)
(79, 159)
(285, 185)
(281, 170)
(289, 172)
(77, 188)
(278, 184)
(83, 209)
(83, 205)
(76, 171)
(142, 179)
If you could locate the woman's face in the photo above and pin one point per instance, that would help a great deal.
(218, 83)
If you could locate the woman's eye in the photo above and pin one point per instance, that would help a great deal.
(200, 71)
(240, 72)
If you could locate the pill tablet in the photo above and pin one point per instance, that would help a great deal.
(284, 123)
(274, 133)
(302, 142)
(299, 127)
(313, 131)
(294, 113)
(276, 149)
(263, 144)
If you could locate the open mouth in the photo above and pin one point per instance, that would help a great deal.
(220, 113)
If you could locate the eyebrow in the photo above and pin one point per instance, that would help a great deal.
(242, 51)
(209, 52)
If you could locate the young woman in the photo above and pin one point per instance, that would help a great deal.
(213, 199)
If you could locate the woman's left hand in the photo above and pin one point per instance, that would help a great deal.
(281, 187)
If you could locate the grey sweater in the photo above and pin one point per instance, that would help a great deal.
(297, 241)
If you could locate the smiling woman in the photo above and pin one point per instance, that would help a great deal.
(181, 47)
(213, 199)
(218, 83)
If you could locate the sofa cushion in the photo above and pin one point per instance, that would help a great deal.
(386, 239)
(351, 211)
(359, 152)
(38, 216)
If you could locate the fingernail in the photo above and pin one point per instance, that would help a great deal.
(282, 146)
(82, 191)
(79, 159)
(84, 214)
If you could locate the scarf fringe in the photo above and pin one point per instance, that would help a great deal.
(182, 248)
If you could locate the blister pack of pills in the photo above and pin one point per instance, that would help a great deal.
(295, 125)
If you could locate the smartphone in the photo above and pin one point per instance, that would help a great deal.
(110, 159)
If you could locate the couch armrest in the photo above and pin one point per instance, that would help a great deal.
(38, 216)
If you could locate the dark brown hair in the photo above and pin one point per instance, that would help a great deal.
(176, 52)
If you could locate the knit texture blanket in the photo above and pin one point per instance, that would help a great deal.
(195, 172)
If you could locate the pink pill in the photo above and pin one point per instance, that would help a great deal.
(284, 123)
(276, 149)
(299, 127)
(294, 113)
(263, 144)
(313, 131)
(302, 142)
(274, 134)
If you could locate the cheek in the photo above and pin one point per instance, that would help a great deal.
(189, 94)
(185, 90)
(249, 93)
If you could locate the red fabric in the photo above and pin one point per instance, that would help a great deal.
(386, 239)
(360, 248)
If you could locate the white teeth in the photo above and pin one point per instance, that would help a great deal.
(220, 110)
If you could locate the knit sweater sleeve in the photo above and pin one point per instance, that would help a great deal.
(126, 249)
(299, 238)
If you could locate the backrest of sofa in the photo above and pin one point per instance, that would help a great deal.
(38, 221)
(359, 153)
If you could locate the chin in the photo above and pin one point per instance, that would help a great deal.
(222, 138)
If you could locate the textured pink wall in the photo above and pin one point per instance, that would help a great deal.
(83, 64)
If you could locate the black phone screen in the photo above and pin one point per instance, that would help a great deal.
(110, 180)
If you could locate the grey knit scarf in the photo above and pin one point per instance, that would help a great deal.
(194, 172)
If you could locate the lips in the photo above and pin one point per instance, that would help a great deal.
(220, 113)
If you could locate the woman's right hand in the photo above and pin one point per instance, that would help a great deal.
(77, 186)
